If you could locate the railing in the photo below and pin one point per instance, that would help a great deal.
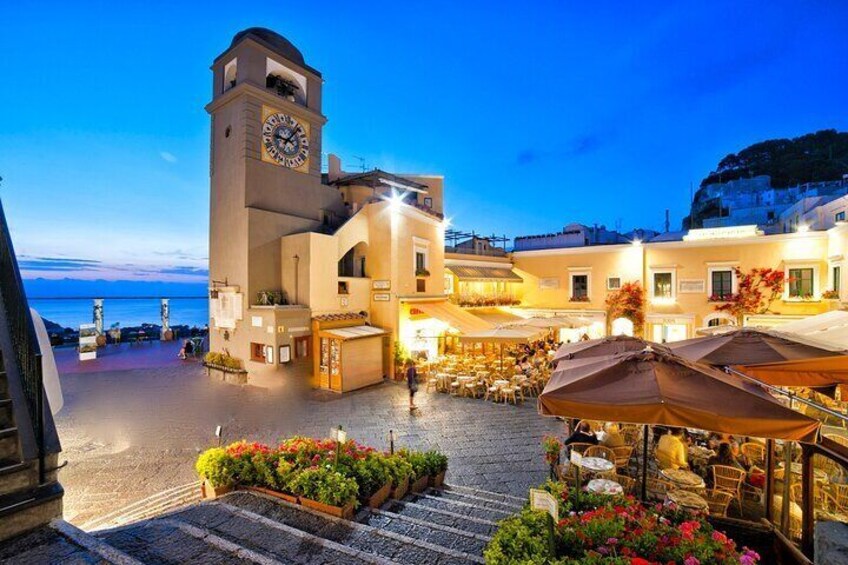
(27, 353)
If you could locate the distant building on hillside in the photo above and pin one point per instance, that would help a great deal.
(813, 213)
(579, 235)
(751, 201)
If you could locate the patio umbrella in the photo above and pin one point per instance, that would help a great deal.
(813, 373)
(747, 346)
(656, 387)
(503, 335)
(600, 347)
(572, 322)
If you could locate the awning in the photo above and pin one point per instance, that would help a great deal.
(497, 317)
(503, 335)
(830, 328)
(812, 373)
(483, 274)
(353, 332)
(452, 315)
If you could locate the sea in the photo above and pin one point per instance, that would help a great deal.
(71, 312)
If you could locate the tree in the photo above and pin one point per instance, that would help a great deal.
(628, 302)
(757, 291)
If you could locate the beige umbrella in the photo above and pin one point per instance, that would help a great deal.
(503, 335)
(553, 322)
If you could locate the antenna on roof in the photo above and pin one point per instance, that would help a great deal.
(361, 162)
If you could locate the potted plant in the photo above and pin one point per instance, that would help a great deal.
(422, 273)
(327, 491)
(420, 479)
(217, 471)
(229, 367)
(437, 466)
(259, 468)
(830, 295)
(374, 479)
(400, 471)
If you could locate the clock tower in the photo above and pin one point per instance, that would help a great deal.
(265, 172)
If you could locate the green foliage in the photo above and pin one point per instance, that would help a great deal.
(216, 466)
(325, 486)
(418, 461)
(223, 360)
(814, 157)
(435, 462)
(371, 473)
(525, 539)
(399, 468)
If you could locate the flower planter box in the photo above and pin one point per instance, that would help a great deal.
(211, 492)
(400, 491)
(345, 511)
(276, 494)
(377, 499)
(438, 480)
(421, 484)
(226, 374)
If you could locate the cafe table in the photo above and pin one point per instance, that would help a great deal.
(688, 499)
(796, 468)
(684, 479)
(604, 486)
(596, 465)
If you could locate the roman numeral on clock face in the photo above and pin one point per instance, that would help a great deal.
(285, 140)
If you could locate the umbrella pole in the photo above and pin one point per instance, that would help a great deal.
(645, 463)
(501, 358)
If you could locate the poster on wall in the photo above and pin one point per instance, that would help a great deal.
(87, 342)
(381, 285)
(382, 296)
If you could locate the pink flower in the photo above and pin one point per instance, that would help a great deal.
(691, 560)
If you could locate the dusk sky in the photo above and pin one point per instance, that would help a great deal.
(537, 114)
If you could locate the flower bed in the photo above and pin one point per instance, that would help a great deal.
(615, 530)
(321, 474)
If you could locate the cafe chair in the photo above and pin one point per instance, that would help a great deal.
(718, 501)
(729, 479)
(658, 488)
(627, 483)
(755, 453)
(580, 447)
(622, 456)
(600, 451)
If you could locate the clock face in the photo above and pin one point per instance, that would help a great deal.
(285, 140)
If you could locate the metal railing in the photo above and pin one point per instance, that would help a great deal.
(26, 351)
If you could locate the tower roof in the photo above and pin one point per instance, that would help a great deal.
(275, 42)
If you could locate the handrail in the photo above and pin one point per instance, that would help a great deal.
(790, 395)
(27, 353)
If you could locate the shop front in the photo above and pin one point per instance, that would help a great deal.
(348, 354)
(431, 328)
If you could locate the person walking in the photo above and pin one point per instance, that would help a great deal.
(411, 383)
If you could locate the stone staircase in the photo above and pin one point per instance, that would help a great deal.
(440, 526)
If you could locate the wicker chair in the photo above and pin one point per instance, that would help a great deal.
(841, 440)
(600, 451)
(729, 479)
(658, 488)
(580, 447)
(622, 456)
(627, 483)
(718, 501)
(755, 453)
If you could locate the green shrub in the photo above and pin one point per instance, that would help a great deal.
(223, 360)
(418, 461)
(214, 358)
(371, 473)
(399, 468)
(526, 539)
(216, 466)
(325, 486)
(435, 462)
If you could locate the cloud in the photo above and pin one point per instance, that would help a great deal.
(576, 147)
(33, 267)
(55, 263)
(169, 157)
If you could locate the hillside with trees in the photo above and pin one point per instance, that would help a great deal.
(814, 157)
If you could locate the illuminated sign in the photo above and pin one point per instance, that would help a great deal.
(729, 232)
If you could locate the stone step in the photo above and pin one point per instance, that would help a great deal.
(450, 494)
(166, 543)
(149, 507)
(7, 416)
(9, 447)
(441, 517)
(460, 507)
(358, 536)
(487, 494)
(445, 536)
(272, 537)
(15, 475)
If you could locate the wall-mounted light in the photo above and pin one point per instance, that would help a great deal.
(803, 228)
(636, 242)
(213, 292)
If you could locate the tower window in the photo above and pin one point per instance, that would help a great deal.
(230, 74)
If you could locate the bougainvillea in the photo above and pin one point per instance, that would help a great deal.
(628, 302)
(552, 446)
(755, 293)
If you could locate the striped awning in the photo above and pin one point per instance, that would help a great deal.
(482, 274)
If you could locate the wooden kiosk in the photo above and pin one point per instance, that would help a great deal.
(348, 352)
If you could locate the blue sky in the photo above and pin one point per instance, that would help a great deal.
(537, 114)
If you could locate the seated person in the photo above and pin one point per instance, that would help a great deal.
(717, 439)
(582, 434)
(672, 451)
(613, 437)
(725, 457)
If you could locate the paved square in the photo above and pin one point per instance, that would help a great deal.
(130, 434)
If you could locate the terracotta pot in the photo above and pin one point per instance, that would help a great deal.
(168, 336)
(101, 340)
(276, 494)
(345, 511)
(421, 484)
(400, 491)
(438, 480)
(377, 499)
(211, 492)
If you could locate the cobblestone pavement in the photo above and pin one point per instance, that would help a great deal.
(129, 434)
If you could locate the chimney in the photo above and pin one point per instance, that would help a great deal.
(334, 167)
(666, 220)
